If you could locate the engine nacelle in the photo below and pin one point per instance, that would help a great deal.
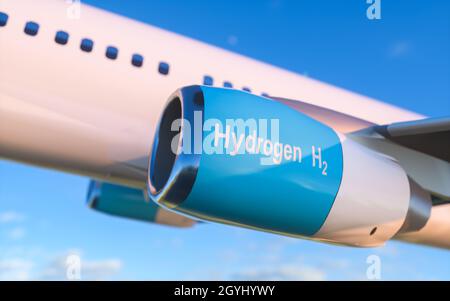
(232, 157)
(131, 203)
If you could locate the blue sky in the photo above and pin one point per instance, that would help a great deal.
(403, 59)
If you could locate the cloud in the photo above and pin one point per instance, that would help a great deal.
(102, 268)
(11, 217)
(16, 233)
(15, 269)
(29, 264)
(281, 273)
(58, 267)
(399, 49)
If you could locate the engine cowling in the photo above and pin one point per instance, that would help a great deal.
(233, 157)
(131, 203)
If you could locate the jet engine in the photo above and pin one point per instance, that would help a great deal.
(131, 203)
(232, 157)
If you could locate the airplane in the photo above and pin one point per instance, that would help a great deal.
(97, 96)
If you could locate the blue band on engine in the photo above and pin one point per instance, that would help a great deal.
(293, 196)
(124, 201)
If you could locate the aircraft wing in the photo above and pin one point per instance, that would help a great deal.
(430, 136)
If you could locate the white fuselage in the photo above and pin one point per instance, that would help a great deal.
(82, 112)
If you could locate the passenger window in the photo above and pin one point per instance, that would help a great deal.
(163, 68)
(264, 94)
(227, 85)
(137, 60)
(3, 19)
(112, 52)
(87, 45)
(247, 89)
(31, 28)
(208, 80)
(62, 37)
